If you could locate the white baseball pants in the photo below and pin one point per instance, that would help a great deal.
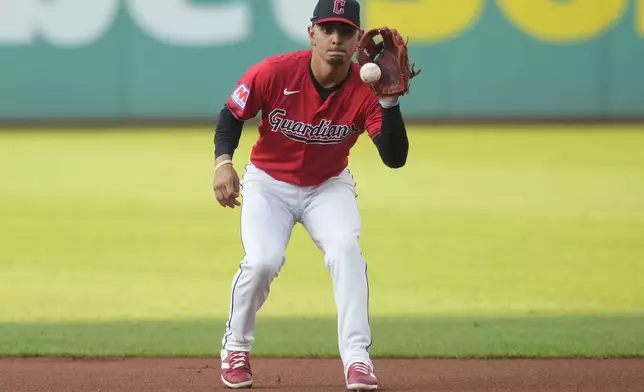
(329, 213)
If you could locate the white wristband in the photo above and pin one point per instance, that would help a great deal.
(220, 164)
(385, 104)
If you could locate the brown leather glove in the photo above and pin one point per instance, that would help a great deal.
(391, 56)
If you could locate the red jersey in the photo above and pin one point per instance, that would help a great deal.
(303, 139)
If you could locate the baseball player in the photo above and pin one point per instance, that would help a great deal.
(314, 107)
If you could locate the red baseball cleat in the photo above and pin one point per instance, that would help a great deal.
(235, 369)
(360, 377)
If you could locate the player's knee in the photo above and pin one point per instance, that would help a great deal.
(345, 249)
(265, 265)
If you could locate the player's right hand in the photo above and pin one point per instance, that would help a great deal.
(226, 186)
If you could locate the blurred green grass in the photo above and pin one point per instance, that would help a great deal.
(437, 336)
(122, 225)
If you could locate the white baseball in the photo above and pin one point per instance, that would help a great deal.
(370, 73)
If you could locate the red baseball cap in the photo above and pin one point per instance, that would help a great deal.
(344, 11)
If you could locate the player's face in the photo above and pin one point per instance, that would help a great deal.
(334, 42)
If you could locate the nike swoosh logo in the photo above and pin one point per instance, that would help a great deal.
(286, 92)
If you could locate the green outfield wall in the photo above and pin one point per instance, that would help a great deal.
(139, 59)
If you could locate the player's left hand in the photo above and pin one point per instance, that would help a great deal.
(392, 57)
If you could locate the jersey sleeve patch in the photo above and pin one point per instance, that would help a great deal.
(240, 95)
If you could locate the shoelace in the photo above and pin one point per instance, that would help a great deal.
(362, 368)
(238, 359)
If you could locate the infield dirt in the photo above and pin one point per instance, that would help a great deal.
(201, 374)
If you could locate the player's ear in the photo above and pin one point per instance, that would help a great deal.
(360, 34)
(311, 35)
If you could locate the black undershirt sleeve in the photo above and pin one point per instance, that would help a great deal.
(227, 133)
(392, 143)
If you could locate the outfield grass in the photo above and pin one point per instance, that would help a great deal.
(540, 232)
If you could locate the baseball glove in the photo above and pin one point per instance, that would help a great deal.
(391, 56)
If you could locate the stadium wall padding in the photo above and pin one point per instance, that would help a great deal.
(169, 59)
